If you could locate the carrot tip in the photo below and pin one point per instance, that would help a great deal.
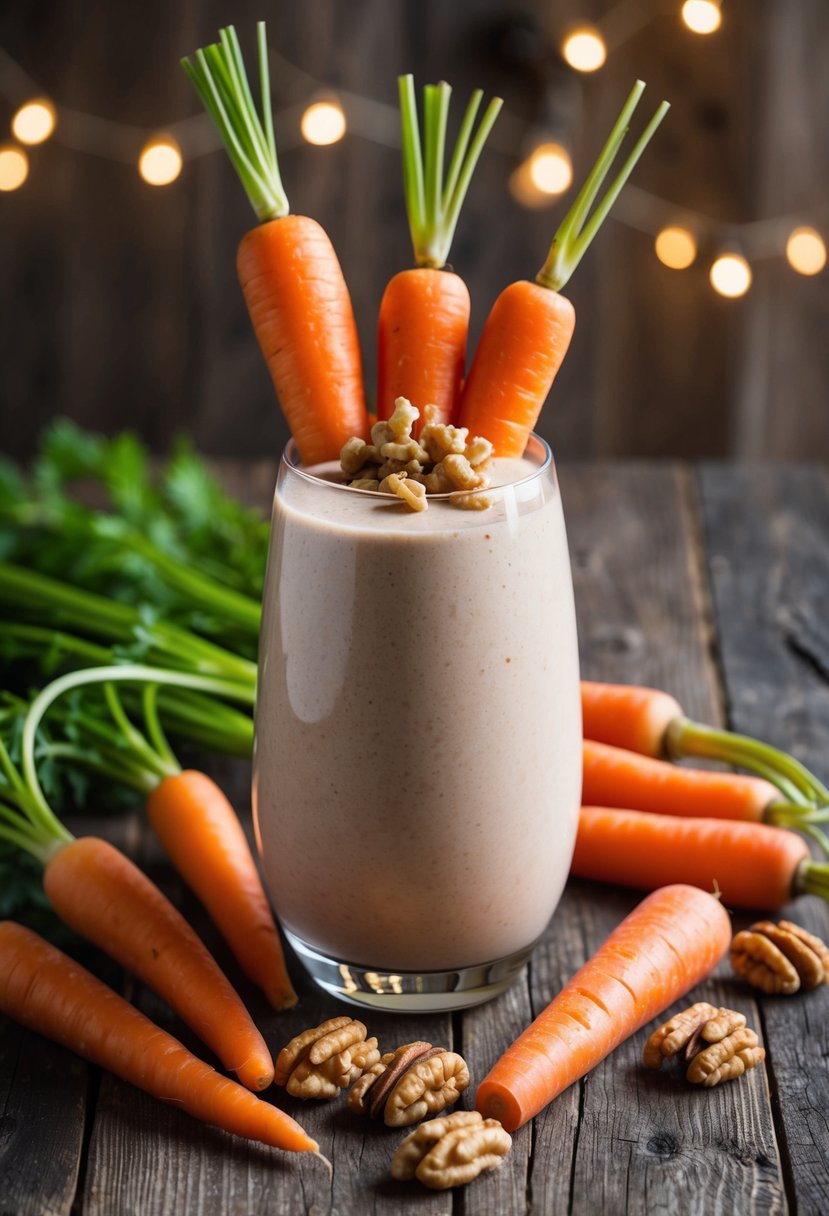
(323, 1159)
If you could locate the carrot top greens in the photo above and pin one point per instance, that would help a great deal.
(578, 228)
(434, 200)
(220, 79)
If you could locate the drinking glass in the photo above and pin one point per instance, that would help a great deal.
(417, 762)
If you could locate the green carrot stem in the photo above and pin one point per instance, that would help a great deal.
(149, 703)
(133, 738)
(434, 199)
(219, 77)
(812, 878)
(138, 778)
(578, 228)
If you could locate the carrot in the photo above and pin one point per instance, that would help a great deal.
(49, 993)
(671, 941)
(528, 331)
(202, 836)
(293, 284)
(652, 722)
(424, 313)
(754, 865)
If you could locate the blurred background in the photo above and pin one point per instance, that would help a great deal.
(118, 298)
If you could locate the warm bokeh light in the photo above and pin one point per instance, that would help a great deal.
(34, 122)
(702, 16)
(550, 168)
(806, 251)
(323, 123)
(676, 247)
(14, 167)
(160, 161)
(730, 275)
(584, 49)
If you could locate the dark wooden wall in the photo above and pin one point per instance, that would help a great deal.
(118, 302)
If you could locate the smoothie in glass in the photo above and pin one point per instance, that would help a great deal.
(417, 765)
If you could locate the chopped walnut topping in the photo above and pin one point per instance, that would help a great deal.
(443, 461)
(451, 1151)
(714, 1044)
(780, 958)
(407, 1084)
(321, 1061)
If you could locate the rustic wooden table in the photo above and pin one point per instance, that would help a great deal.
(708, 582)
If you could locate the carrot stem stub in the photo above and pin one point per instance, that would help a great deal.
(670, 942)
(49, 993)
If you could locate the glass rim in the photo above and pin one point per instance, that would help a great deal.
(544, 453)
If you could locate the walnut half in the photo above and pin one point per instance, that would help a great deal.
(714, 1044)
(780, 958)
(407, 1084)
(452, 1150)
(320, 1062)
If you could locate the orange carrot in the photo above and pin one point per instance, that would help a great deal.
(652, 722)
(752, 864)
(424, 313)
(613, 776)
(105, 898)
(292, 281)
(528, 331)
(671, 941)
(202, 836)
(54, 996)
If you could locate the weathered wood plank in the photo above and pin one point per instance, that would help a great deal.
(766, 537)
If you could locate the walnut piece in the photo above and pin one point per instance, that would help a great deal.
(780, 958)
(451, 1151)
(409, 1083)
(714, 1044)
(444, 460)
(320, 1062)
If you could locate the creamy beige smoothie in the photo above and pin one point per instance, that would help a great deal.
(417, 764)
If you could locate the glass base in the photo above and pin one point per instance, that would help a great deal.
(410, 991)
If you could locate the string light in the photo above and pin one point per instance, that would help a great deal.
(34, 122)
(806, 251)
(584, 49)
(160, 161)
(323, 123)
(730, 275)
(676, 247)
(14, 167)
(702, 16)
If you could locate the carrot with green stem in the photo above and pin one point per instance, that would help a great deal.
(191, 816)
(753, 865)
(424, 313)
(670, 942)
(105, 898)
(653, 722)
(612, 776)
(293, 284)
(51, 994)
(528, 331)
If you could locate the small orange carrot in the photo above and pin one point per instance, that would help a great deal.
(652, 722)
(671, 941)
(293, 285)
(203, 838)
(49, 993)
(528, 331)
(753, 865)
(613, 776)
(105, 898)
(424, 313)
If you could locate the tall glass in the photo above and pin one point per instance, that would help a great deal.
(417, 765)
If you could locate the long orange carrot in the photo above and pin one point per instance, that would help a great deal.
(51, 994)
(294, 287)
(528, 331)
(424, 313)
(105, 898)
(203, 838)
(753, 865)
(667, 944)
(613, 776)
(652, 722)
